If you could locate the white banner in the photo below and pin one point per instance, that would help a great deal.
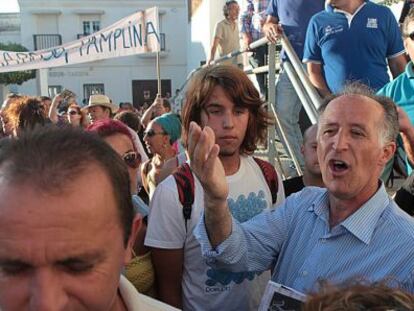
(135, 34)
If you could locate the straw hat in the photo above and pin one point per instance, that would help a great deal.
(101, 100)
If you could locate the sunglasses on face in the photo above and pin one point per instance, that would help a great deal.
(73, 112)
(151, 133)
(410, 35)
(132, 159)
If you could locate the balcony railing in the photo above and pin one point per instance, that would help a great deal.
(44, 41)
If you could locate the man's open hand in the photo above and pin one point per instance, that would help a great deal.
(205, 163)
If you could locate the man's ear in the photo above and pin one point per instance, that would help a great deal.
(406, 44)
(108, 112)
(387, 152)
(136, 225)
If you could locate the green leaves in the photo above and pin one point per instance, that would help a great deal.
(17, 77)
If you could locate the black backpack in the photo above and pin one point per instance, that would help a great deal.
(185, 185)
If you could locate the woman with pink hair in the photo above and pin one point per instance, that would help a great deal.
(140, 270)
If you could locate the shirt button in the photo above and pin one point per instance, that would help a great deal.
(305, 273)
(323, 240)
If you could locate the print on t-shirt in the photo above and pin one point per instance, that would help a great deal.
(242, 210)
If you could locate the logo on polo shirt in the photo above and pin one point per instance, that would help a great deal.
(329, 30)
(372, 23)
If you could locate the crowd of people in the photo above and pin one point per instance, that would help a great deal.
(110, 207)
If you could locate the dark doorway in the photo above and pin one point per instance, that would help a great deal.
(144, 91)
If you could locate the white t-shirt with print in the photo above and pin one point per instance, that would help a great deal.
(203, 287)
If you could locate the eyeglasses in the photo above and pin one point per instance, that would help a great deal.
(132, 159)
(410, 35)
(151, 133)
(73, 112)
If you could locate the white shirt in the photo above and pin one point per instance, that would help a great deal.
(203, 287)
(135, 301)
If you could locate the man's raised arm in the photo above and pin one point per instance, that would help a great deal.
(203, 154)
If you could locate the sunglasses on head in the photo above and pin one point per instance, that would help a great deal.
(410, 35)
(73, 112)
(151, 133)
(132, 159)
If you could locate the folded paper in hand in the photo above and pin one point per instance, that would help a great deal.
(278, 297)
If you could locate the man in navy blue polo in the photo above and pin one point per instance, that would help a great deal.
(353, 40)
(291, 17)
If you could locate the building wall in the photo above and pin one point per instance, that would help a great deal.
(9, 28)
(65, 17)
(201, 30)
(202, 24)
(9, 37)
(188, 41)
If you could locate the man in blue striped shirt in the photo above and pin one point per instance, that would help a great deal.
(350, 230)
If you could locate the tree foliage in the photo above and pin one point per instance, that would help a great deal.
(16, 77)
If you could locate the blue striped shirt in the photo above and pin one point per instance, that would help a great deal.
(375, 242)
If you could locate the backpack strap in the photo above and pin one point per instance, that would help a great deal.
(397, 166)
(185, 184)
(270, 175)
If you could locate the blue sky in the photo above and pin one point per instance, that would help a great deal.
(8, 6)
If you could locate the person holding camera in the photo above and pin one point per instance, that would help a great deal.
(70, 112)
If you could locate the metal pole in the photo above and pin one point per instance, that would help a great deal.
(256, 44)
(297, 64)
(271, 137)
(306, 103)
(272, 103)
(283, 136)
(252, 46)
(272, 94)
(159, 73)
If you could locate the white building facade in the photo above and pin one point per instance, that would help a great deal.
(44, 24)
(204, 16)
(186, 28)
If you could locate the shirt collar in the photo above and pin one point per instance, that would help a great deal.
(128, 294)
(362, 222)
(409, 71)
(134, 301)
(320, 206)
(226, 21)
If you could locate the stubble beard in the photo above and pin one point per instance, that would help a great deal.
(227, 153)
